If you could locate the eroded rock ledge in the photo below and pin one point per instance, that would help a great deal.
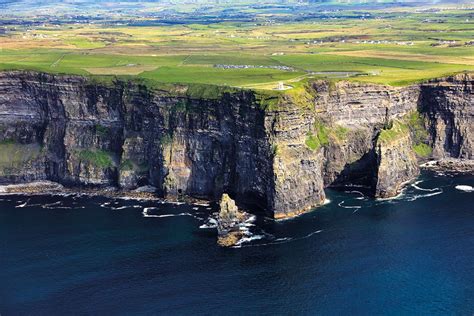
(81, 132)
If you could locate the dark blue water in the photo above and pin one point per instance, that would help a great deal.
(70, 255)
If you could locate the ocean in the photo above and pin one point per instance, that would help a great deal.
(77, 255)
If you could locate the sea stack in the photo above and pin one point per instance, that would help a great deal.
(229, 222)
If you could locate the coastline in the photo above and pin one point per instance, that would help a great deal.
(450, 165)
(57, 189)
(148, 193)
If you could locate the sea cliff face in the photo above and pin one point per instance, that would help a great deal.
(122, 134)
(449, 107)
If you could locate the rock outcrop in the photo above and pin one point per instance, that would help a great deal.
(123, 134)
(230, 222)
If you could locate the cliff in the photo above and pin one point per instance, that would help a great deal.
(396, 161)
(124, 134)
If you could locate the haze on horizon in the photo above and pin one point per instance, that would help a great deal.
(171, 4)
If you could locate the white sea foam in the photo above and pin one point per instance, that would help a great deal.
(52, 204)
(420, 196)
(247, 225)
(415, 185)
(283, 239)
(211, 223)
(168, 215)
(147, 209)
(349, 206)
(119, 208)
(428, 164)
(248, 239)
(23, 204)
(397, 197)
(355, 192)
(465, 188)
(58, 205)
(361, 197)
(201, 204)
(244, 229)
(65, 207)
(251, 219)
(312, 234)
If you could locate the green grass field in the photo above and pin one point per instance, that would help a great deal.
(398, 48)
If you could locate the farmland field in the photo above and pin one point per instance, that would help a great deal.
(393, 46)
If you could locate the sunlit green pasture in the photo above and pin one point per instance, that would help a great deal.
(395, 49)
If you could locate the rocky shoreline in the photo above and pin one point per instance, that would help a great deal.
(450, 165)
(146, 193)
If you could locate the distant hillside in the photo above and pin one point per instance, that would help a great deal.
(141, 7)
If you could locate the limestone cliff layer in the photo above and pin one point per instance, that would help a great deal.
(78, 131)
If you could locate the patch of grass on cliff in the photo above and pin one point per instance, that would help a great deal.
(321, 139)
(416, 123)
(301, 95)
(340, 132)
(423, 150)
(393, 132)
(322, 133)
(268, 100)
(99, 158)
(312, 142)
(14, 155)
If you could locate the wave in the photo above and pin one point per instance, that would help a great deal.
(210, 224)
(361, 196)
(147, 209)
(283, 239)
(420, 196)
(247, 240)
(52, 204)
(465, 188)
(201, 204)
(24, 204)
(415, 185)
(349, 206)
(119, 208)
(65, 207)
(390, 199)
(279, 241)
(169, 215)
